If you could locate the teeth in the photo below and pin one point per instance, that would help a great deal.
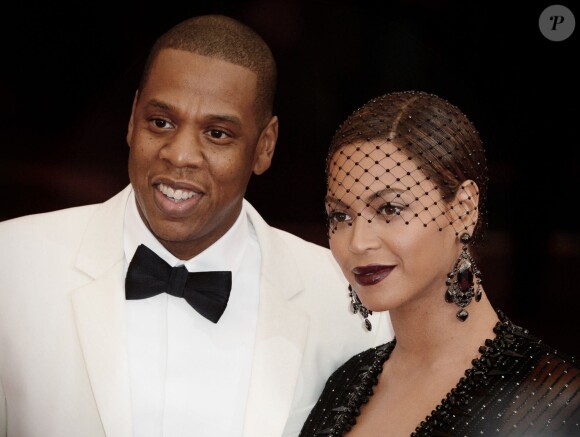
(176, 195)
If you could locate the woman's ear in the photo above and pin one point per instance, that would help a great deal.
(466, 206)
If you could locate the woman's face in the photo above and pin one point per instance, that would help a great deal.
(389, 228)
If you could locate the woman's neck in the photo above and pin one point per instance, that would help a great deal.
(430, 334)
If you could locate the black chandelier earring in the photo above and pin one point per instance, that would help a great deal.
(464, 281)
(357, 307)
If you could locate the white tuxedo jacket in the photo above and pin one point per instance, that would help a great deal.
(63, 343)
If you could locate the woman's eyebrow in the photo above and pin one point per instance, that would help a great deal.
(335, 201)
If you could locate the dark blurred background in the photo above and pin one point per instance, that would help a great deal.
(68, 76)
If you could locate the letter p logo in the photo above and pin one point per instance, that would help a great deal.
(557, 22)
(556, 19)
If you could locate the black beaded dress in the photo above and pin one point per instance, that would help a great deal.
(519, 386)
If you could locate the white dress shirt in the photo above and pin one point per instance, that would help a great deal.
(189, 376)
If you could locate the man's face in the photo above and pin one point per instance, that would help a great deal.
(194, 143)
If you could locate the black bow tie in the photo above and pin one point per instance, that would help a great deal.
(149, 275)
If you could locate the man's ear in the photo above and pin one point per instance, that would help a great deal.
(265, 147)
(131, 123)
(466, 205)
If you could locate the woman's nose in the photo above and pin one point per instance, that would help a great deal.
(363, 235)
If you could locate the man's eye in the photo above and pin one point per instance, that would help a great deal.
(217, 134)
(161, 124)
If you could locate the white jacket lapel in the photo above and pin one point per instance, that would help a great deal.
(280, 336)
(100, 315)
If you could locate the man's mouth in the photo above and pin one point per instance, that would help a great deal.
(176, 195)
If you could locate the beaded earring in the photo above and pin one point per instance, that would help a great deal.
(460, 281)
(357, 306)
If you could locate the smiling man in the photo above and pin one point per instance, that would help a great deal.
(173, 308)
(194, 145)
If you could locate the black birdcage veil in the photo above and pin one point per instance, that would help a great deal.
(406, 157)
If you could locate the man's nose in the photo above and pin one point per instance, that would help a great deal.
(183, 149)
